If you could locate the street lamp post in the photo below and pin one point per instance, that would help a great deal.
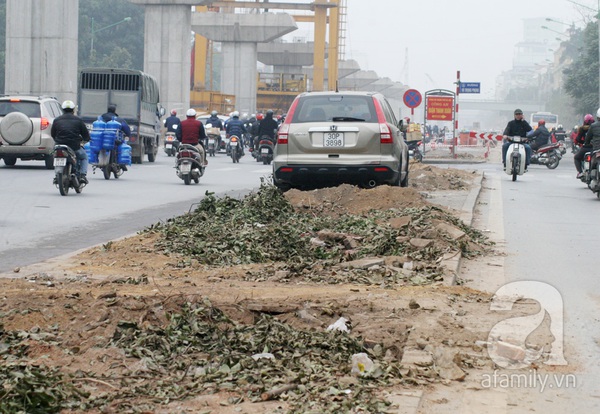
(94, 31)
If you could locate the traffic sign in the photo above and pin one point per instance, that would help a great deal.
(412, 98)
(440, 108)
(469, 87)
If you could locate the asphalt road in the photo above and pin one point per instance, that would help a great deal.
(37, 223)
(546, 223)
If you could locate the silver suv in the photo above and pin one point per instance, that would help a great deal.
(331, 138)
(25, 123)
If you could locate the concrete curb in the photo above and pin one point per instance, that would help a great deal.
(451, 161)
(452, 263)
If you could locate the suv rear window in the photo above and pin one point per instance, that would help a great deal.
(31, 109)
(336, 107)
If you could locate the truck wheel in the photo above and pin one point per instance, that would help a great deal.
(151, 157)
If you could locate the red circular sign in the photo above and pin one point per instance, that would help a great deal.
(412, 98)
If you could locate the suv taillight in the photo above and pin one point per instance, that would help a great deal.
(44, 123)
(282, 134)
(385, 135)
(284, 129)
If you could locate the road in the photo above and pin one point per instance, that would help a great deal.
(38, 223)
(545, 223)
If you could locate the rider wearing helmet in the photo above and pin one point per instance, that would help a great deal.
(581, 139)
(518, 127)
(192, 132)
(215, 121)
(236, 127)
(68, 129)
(539, 137)
(268, 127)
(172, 123)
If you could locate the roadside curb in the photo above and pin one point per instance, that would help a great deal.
(452, 261)
(451, 161)
(410, 403)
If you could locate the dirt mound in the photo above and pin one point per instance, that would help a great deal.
(348, 199)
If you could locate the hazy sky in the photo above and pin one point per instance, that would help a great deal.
(476, 37)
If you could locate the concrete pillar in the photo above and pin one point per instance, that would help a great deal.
(41, 47)
(167, 53)
(239, 35)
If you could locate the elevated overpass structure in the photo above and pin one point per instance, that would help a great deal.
(488, 105)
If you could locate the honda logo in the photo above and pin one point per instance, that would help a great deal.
(333, 128)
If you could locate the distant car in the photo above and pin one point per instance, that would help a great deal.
(332, 138)
(25, 123)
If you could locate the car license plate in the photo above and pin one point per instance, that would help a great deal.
(169, 146)
(211, 141)
(60, 162)
(185, 168)
(333, 139)
(264, 151)
(234, 144)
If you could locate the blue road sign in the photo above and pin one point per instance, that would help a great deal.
(412, 98)
(470, 87)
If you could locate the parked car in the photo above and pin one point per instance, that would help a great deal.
(25, 123)
(331, 138)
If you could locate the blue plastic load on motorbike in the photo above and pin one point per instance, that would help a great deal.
(92, 156)
(124, 154)
(97, 135)
(110, 134)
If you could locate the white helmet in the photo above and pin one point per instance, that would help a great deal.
(235, 114)
(68, 105)
(245, 115)
(214, 113)
(190, 112)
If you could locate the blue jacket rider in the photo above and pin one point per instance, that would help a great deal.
(111, 113)
(236, 127)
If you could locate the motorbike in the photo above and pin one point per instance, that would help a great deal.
(515, 157)
(189, 164)
(414, 151)
(548, 155)
(593, 178)
(108, 163)
(235, 148)
(171, 144)
(265, 150)
(65, 170)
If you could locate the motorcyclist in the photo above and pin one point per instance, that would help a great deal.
(518, 127)
(560, 133)
(111, 114)
(267, 126)
(572, 137)
(236, 127)
(192, 132)
(172, 122)
(248, 125)
(216, 122)
(254, 129)
(592, 139)
(540, 136)
(68, 129)
(580, 139)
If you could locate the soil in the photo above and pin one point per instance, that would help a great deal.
(67, 311)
